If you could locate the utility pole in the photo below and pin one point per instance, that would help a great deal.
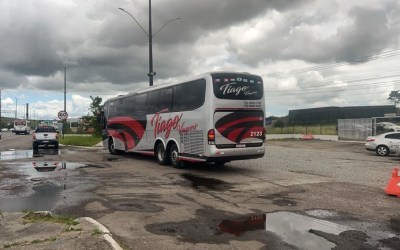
(151, 73)
(65, 101)
(0, 107)
(65, 88)
(16, 108)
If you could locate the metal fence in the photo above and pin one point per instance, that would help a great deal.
(360, 129)
(355, 129)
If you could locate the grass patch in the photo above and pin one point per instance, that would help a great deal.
(14, 244)
(97, 232)
(87, 141)
(31, 217)
(38, 241)
(44, 240)
(315, 130)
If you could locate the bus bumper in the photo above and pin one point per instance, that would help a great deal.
(231, 154)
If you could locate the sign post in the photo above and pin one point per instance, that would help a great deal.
(63, 115)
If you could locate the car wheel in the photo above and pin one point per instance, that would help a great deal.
(111, 148)
(174, 157)
(382, 150)
(161, 154)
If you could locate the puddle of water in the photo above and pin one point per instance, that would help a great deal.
(13, 154)
(199, 182)
(38, 185)
(17, 154)
(43, 198)
(306, 232)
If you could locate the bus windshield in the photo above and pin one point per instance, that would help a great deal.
(237, 86)
(20, 122)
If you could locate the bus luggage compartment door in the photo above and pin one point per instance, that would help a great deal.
(239, 128)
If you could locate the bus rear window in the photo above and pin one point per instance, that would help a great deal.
(237, 87)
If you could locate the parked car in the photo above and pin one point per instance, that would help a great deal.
(383, 144)
(382, 127)
(4, 129)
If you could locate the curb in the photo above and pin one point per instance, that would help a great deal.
(106, 233)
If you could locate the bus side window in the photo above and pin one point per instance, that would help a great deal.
(140, 104)
(189, 96)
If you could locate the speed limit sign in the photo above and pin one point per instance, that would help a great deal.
(63, 115)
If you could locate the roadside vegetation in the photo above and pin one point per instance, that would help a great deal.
(78, 140)
(32, 217)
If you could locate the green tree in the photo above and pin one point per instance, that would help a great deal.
(394, 96)
(90, 121)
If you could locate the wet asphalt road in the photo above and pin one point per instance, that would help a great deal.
(301, 195)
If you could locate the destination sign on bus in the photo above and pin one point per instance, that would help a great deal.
(237, 88)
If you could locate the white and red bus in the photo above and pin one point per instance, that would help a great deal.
(215, 117)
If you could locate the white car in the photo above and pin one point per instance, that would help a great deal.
(4, 129)
(384, 144)
(387, 127)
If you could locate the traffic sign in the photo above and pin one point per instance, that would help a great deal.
(63, 115)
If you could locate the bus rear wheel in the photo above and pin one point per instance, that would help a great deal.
(174, 157)
(161, 154)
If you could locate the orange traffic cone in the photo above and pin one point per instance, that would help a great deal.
(393, 187)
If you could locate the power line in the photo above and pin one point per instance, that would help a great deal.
(368, 58)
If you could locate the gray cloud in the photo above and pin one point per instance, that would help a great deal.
(301, 36)
(104, 50)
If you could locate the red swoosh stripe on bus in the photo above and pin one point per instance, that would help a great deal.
(235, 122)
(235, 127)
(127, 129)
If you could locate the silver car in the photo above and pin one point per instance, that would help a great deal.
(384, 144)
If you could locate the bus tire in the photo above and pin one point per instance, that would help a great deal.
(174, 157)
(112, 149)
(161, 154)
(220, 163)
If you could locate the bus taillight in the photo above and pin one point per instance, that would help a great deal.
(264, 134)
(211, 136)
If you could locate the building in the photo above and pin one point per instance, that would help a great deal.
(332, 114)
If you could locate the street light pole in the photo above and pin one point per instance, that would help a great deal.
(151, 74)
(16, 108)
(150, 36)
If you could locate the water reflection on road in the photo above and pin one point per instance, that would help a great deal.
(39, 185)
(14, 154)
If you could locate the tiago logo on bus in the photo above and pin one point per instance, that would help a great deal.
(166, 126)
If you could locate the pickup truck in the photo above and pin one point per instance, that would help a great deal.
(45, 135)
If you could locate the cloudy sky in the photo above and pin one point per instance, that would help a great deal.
(310, 53)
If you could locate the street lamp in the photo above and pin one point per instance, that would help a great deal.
(150, 35)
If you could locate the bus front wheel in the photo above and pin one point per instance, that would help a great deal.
(111, 148)
(174, 157)
(161, 154)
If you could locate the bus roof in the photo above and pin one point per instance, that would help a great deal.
(150, 88)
